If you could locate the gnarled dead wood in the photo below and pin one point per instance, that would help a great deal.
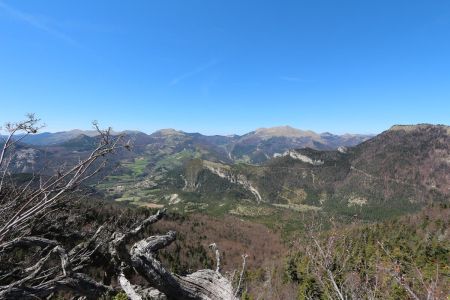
(203, 284)
(40, 281)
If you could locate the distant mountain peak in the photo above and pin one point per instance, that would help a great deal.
(167, 132)
(284, 131)
(76, 132)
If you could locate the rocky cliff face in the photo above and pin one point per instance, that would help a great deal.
(195, 170)
(299, 156)
(239, 179)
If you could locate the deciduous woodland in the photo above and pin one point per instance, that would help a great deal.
(172, 215)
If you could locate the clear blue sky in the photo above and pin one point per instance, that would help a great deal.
(226, 66)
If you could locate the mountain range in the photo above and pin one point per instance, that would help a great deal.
(254, 147)
(399, 170)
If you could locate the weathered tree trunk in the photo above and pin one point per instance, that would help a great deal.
(38, 282)
(203, 284)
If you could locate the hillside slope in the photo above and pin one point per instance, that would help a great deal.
(398, 171)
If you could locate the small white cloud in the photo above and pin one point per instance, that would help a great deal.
(194, 72)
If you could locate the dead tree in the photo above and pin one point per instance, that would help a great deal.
(21, 204)
(49, 268)
(322, 259)
(329, 258)
(328, 262)
(45, 278)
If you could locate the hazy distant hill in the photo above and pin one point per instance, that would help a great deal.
(262, 144)
(254, 147)
(48, 138)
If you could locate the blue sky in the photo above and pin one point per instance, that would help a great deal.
(230, 66)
